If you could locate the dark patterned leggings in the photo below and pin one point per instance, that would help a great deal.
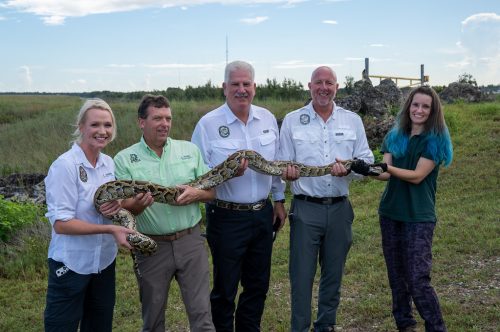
(408, 255)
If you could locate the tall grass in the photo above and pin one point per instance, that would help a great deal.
(44, 126)
(466, 243)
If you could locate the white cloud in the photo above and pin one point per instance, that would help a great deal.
(292, 3)
(53, 20)
(2, 18)
(26, 75)
(480, 43)
(479, 18)
(55, 12)
(254, 20)
(332, 22)
(458, 64)
(114, 65)
(377, 45)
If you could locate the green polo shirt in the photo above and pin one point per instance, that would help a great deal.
(405, 201)
(181, 162)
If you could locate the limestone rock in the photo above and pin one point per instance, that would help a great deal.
(461, 91)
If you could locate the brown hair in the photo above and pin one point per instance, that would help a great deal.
(151, 100)
(435, 123)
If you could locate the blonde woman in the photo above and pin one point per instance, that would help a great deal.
(83, 247)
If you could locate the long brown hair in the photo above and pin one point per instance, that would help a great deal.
(435, 123)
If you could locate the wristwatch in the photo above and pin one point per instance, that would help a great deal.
(280, 201)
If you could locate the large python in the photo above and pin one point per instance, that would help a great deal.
(228, 169)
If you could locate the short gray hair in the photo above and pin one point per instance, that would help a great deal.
(235, 65)
(94, 103)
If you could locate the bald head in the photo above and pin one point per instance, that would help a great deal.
(323, 88)
(324, 69)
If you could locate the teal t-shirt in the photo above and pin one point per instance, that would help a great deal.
(405, 201)
(180, 163)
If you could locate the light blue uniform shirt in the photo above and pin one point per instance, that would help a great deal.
(307, 139)
(220, 133)
(70, 187)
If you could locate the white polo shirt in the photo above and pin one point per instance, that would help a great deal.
(70, 187)
(220, 133)
(307, 139)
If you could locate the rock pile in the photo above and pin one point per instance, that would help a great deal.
(372, 101)
(375, 105)
(23, 188)
(461, 91)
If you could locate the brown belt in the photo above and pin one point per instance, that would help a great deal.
(172, 236)
(241, 206)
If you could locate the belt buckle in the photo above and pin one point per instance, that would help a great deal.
(257, 206)
(328, 201)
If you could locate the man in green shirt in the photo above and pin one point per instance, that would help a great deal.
(181, 249)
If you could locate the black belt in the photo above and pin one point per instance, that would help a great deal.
(241, 206)
(172, 236)
(320, 200)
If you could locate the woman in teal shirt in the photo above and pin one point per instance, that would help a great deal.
(413, 150)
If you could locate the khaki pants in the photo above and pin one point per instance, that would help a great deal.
(186, 259)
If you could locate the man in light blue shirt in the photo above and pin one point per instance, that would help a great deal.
(240, 220)
(321, 215)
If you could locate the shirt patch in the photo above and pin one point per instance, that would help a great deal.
(83, 174)
(305, 119)
(339, 134)
(134, 158)
(186, 157)
(224, 131)
(265, 131)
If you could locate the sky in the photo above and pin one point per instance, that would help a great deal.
(132, 45)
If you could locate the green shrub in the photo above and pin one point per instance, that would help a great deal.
(14, 216)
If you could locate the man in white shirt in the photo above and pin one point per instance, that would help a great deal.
(321, 215)
(240, 220)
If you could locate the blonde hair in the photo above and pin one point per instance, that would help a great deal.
(89, 104)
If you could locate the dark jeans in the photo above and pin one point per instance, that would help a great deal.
(74, 299)
(241, 247)
(408, 255)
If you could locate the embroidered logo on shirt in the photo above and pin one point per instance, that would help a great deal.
(265, 131)
(134, 158)
(339, 134)
(224, 131)
(186, 157)
(83, 174)
(305, 119)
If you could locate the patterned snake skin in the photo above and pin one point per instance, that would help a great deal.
(228, 169)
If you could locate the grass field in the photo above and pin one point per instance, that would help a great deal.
(466, 271)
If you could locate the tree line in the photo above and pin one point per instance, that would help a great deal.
(287, 90)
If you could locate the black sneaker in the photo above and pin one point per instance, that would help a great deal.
(411, 328)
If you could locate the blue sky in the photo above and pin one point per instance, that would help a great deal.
(129, 45)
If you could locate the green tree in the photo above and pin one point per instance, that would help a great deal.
(349, 84)
(467, 78)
